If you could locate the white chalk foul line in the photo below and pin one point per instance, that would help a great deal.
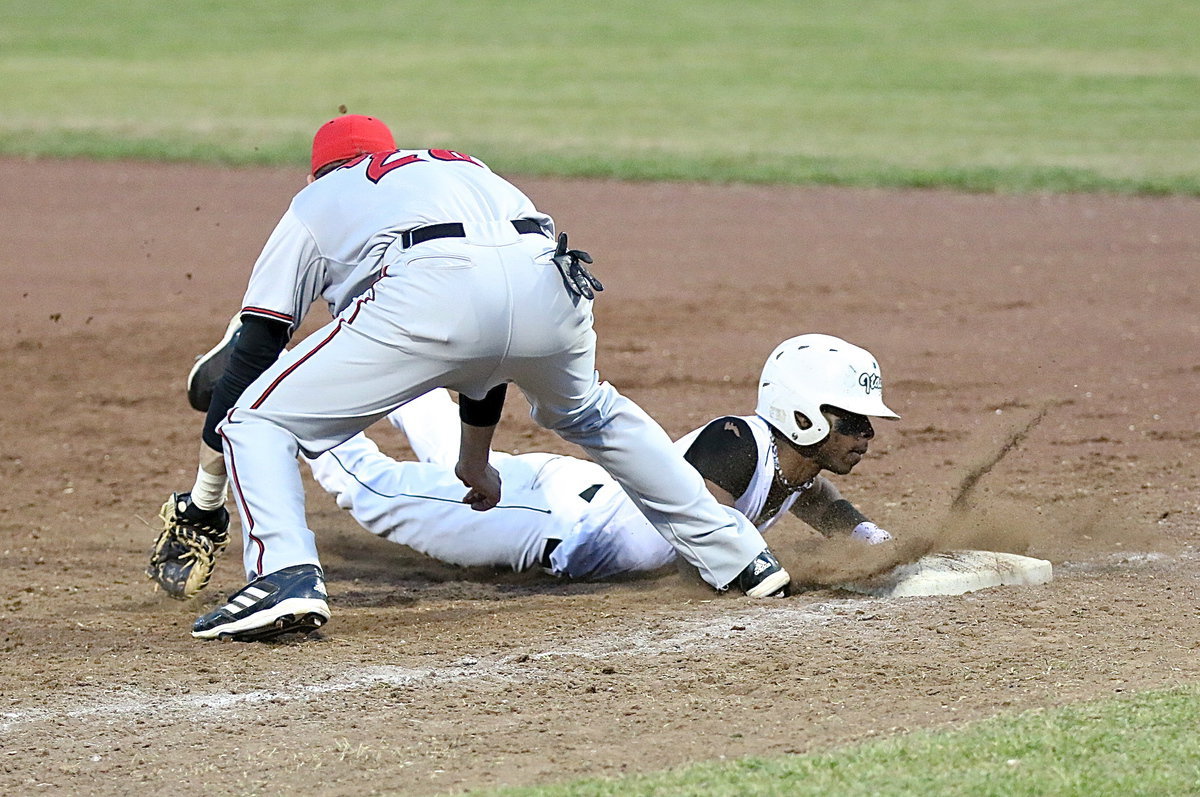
(747, 624)
(133, 702)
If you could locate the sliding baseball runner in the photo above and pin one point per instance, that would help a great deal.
(567, 515)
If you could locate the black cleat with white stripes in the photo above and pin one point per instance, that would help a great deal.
(764, 577)
(291, 600)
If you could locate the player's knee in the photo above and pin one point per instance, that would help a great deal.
(584, 418)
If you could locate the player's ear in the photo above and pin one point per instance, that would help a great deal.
(802, 421)
(309, 180)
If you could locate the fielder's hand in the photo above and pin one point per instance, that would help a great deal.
(579, 281)
(485, 487)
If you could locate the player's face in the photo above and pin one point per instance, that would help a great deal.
(849, 437)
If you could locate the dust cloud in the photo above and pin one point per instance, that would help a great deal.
(976, 520)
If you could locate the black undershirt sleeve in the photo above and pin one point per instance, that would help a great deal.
(257, 348)
(823, 508)
(725, 453)
(486, 411)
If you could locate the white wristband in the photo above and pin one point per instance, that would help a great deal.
(869, 533)
(209, 491)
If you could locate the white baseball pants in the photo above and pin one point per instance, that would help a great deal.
(419, 504)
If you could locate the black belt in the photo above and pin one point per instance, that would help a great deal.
(550, 544)
(454, 229)
(590, 493)
(547, 549)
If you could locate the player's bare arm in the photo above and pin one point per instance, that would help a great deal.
(824, 508)
(478, 420)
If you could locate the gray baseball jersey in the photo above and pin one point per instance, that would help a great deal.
(333, 241)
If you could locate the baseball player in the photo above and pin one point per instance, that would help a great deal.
(283, 289)
(452, 279)
(281, 292)
(195, 523)
(569, 517)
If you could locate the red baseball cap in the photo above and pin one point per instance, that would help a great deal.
(348, 137)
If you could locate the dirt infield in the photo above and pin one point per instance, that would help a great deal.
(983, 310)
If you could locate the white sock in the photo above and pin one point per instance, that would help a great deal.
(209, 491)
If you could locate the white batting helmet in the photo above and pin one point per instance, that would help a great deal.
(808, 372)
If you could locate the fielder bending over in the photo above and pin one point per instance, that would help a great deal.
(448, 276)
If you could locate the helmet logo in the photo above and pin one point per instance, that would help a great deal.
(870, 382)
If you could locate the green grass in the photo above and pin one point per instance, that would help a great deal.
(985, 95)
(1014, 95)
(1141, 745)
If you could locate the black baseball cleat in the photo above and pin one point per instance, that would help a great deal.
(291, 600)
(208, 368)
(764, 577)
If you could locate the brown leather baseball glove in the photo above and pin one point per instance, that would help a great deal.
(187, 548)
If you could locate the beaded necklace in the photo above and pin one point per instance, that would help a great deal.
(792, 487)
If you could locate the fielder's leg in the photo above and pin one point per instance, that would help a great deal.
(718, 541)
(331, 386)
(391, 345)
(568, 398)
(612, 536)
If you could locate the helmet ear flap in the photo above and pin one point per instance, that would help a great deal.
(786, 410)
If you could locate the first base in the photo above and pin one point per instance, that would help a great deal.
(953, 573)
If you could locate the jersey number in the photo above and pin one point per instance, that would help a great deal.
(380, 166)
